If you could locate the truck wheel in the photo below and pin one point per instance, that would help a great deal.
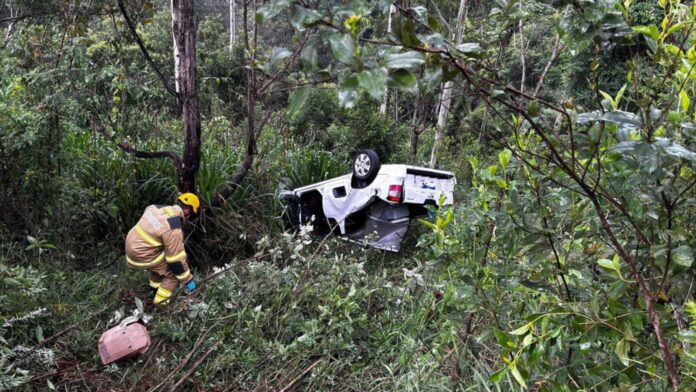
(365, 167)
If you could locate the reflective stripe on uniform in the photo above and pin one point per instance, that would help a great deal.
(146, 264)
(177, 257)
(147, 237)
(155, 285)
(169, 211)
(162, 295)
(184, 276)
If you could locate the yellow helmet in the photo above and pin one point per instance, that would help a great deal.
(191, 200)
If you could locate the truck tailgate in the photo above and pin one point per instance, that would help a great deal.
(423, 186)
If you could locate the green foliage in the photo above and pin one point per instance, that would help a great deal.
(570, 243)
(365, 127)
(307, 166)
(310, 126)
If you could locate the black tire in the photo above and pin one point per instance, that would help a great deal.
(366, 165)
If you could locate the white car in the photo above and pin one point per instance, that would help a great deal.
(375, 203)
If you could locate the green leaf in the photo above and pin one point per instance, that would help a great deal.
(504, 340)
(492, 170)
(527, 340)
(308, 58)
(622, 351)
(521, 330)
(619, 95)
(683, 256)
(677, 26)
(504, 158)
(404, 80)
(474, 162)
(498, 376)
(470, 49)
(612, 265)
(427, 224)
(374, 82)
(270, 10)
(518, 376)
(343, 48)
(609, 100)
(39, 334)
(684, 101)
(11, 282)
(297, 100)
(405, 32)
(408, 60)
(679, 151)
(301, 17)
(348, 92)
(649, 31)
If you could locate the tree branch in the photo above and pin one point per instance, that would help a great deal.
(132, 150)
(552, 59)
(20, 17)
(151, 63)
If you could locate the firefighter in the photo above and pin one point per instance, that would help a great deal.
(156, 243)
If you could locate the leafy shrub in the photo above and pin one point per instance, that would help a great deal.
(310, 125)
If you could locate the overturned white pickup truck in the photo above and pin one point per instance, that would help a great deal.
(375, 203)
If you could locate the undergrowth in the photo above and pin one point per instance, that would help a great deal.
(304, 313)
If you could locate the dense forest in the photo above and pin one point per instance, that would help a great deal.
(566, 262)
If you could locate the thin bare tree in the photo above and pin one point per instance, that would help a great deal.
(233, 24)
(446, 96)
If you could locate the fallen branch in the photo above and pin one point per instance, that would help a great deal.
(144, 367)
(132, 150)
(171, 374)
(301, 376)
(39, 377)
(197, 364)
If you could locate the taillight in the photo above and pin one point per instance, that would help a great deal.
(395, 193)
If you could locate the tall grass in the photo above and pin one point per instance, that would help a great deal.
(308, 165)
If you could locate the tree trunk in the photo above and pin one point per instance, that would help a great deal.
(233, 24)
(186, 37)
(523, 62)
(446, 97)
(415, 131)
(176, 17)
(383, 107)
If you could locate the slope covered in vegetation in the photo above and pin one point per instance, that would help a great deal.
(566, 263)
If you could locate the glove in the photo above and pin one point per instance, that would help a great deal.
(190, 287)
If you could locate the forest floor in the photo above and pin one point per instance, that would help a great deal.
(301, 315)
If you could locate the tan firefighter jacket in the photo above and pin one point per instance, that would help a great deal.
(158, 238)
